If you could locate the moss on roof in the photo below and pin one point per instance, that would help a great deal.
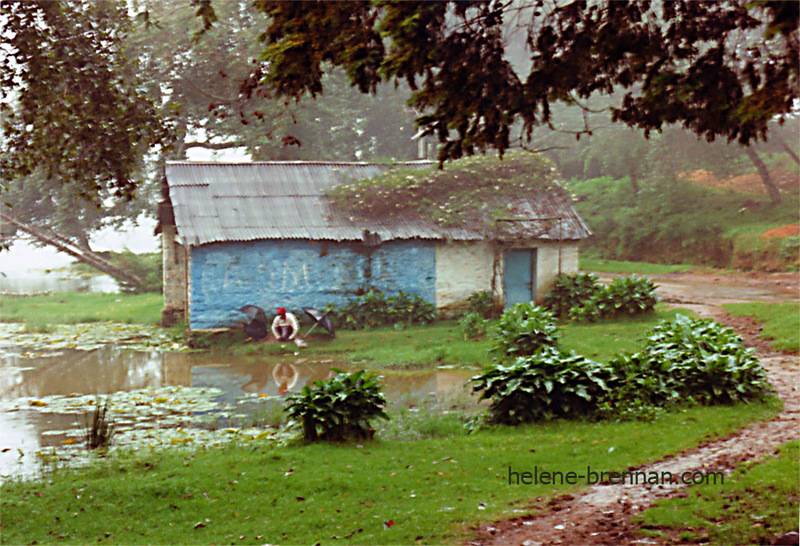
(474, 191)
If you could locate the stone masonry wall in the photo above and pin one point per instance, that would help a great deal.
(547, 266)
(174, 261)
(295, 274)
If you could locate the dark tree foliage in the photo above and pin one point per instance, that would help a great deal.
(721, 69)
(72, 104)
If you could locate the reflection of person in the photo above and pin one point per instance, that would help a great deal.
(285, 376)
(285, 325)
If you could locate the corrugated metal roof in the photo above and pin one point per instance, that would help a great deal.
(216, 202)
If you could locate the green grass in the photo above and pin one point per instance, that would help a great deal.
(599, 265)
(416, 346)
(781, 322)
(427, 491)
(600, 341)
(755, 505)
(443, 343)
(73, 307)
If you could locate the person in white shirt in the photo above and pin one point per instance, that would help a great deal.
(285, 326)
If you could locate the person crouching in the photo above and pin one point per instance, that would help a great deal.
(285, 326)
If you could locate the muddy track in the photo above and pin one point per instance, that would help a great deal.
(602, 513)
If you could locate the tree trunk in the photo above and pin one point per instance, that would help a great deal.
(82, 255)
(789, 151)
(772, 190)
(634, 184)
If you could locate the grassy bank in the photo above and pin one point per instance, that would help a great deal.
(754, 506)
(384, 492)
(418, 346)
(443, 343)
(73, 308)
(781, 322)
(600, 265)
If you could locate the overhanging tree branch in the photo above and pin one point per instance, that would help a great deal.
(63, 244)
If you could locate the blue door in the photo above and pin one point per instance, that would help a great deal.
(519, 280)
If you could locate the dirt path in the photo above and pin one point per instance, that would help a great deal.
(602, 513)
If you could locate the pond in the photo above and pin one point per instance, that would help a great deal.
(161, 398)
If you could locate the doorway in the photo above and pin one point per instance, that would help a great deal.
(519, 276)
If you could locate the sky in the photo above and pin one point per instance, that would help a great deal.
(24, 260)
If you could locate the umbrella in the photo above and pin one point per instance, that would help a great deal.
(320, 319)
(254, 312)
(257, 328)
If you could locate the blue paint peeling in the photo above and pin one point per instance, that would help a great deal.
(295, 274)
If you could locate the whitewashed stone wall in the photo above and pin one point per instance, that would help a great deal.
(461, 269)
(547, 266)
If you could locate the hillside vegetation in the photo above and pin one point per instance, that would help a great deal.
(681, 220)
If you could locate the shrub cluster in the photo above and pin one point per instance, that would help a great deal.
(339, 408)
(375, 308)
(484, 304)
(580, 297)
(684, 361)
(521, 330)
(473, 325)
(476, 322)
(548, 383)
(695, 360)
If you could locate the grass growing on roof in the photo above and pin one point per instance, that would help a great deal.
(383, 492)
(756, 504)
(781, 322)
(475, 190)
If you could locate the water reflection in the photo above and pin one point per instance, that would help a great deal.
(38, 281)
(109, 370)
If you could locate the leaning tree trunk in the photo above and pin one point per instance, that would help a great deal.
(81, 254)
(789, 151)
(772, 189)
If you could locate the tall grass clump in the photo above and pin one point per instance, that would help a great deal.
(100, 431)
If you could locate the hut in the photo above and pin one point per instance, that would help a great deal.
(291, 234)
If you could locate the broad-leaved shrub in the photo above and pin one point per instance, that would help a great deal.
(338, 409)
(548, 383)
(570, 291)
(376, 308)
(703, 361)
(521, 330)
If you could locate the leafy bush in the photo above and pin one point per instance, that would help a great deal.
(548, 383)
(375, 308)
(629, 296)
(473, 325)
(483, 303)
(684, 360)
(521, 330)
(339, 408)
(580, 297)
(571, 291)
(704, 361)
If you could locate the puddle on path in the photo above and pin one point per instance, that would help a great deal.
(44, 399)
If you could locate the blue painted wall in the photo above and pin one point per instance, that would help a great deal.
(295, 274)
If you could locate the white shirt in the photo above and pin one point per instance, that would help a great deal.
(290, 320)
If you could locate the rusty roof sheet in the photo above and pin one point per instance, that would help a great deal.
(217, 202)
